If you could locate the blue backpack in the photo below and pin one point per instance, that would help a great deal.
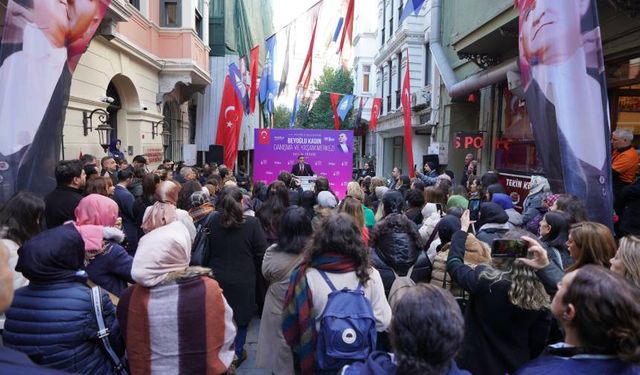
(347, 328)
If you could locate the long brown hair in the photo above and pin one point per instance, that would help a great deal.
(340, 234)
(607, 318)
(230, 207)
(595, 242)
(353, 208)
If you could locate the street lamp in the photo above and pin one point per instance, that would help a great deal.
(166, 134)
(103, 129)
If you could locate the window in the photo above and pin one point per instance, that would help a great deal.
(198, 21)
(427, 65)
(135, 3)
(382, 84)
(366, 72)
(399, 79)
(216, 28)
(400, 9)
(384, 20)
(515, 146)
(390, 86)
(391, 21)
(170, 13)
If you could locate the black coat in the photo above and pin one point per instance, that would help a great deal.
(499, 337)
(398, 252)
(60, 205)
(630, 200)
(125, 201)
(235, 256)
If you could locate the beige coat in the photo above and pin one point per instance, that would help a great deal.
(273, 353)
(476, 252)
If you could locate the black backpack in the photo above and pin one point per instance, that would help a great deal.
(201, 242)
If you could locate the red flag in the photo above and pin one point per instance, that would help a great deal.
(334, 102)
(406, 108)
(253, 70)
(375, 112)
(348, 25)
(229, 122)
(305, 73)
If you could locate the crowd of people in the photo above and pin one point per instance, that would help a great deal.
(125, 270)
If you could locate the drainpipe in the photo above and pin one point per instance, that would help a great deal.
(475, 82)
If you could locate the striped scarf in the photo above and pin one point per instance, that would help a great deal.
(298, 324)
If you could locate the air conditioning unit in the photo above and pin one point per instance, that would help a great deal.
(421, 98)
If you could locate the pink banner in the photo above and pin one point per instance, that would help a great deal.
(328, 152)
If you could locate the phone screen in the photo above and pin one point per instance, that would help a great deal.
(439, 208)
(509, 249)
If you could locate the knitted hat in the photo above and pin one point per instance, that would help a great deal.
(326, 199)
(457, 201)
(198, 198)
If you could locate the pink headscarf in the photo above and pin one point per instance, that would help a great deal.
(162, 212)
(93, 213)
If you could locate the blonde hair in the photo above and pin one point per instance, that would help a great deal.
(629, 254)
(526, 290)
(355, 191)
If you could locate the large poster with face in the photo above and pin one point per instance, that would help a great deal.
(327, 153)
(41, 46)
(563, 75)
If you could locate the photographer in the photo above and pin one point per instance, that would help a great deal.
(507, 317)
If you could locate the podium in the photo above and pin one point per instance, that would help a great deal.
(307, 182)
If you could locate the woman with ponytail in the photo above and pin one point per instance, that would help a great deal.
(600, 315)
(236, 247)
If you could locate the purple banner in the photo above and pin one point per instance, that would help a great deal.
(328, 152)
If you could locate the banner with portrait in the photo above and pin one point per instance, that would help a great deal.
(41, 45)
(563, 75)
(329, 153)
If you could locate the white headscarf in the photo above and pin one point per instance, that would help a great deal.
(161, 251)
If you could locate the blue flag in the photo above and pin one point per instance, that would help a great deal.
(294, 111)
(336, 34)
(238, 86)
(411, 7)
(268, 87)
(344, 106)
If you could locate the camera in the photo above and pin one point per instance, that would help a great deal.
(509, 249)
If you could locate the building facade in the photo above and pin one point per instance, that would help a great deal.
(476, 50)
(145, 64)
(396, 41)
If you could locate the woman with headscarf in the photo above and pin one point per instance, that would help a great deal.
(114, 149)
(52, 320)
(107, 263)
(532, 204)
(176, 319)
(201, 207)
(235, 255)
(164, 210)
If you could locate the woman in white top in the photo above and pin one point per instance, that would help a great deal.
(337, 250)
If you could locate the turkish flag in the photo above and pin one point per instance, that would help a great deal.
(229, 122)
(406, 108)
(253, 70)
(334, 102)
(264, 137)
(375, 112)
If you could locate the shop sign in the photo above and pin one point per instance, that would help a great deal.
(517, 186)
